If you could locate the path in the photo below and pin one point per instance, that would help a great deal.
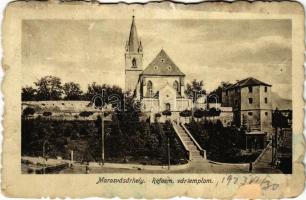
(262, 165)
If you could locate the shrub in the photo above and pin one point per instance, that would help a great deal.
(46, 114)
(85, 113)
(167, 113)
(28, 111)
(185, 113)
(157, 115)
(199, 113)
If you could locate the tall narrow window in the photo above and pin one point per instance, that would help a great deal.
(266, 100)
(176, 86)
(266, 89)
(149, 88)
(168, 107)
(250, 89)
(134, 64)
(250, 100)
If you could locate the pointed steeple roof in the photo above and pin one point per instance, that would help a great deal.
(162, 65)
(133, 42)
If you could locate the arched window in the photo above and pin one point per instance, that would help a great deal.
(149, 88)
(176, 86)
(134, 64)
(168, 106)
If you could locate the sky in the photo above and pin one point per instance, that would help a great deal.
(211, 50)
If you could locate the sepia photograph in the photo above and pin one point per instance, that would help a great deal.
(156, 96)
(153, 100)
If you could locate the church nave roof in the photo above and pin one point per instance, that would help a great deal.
(162, 65)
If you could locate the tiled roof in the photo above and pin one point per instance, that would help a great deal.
(247, 82)
(162, 65)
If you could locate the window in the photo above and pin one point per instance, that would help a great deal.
(236, 102)
(250, 89)
(176, 86)
(266, 100)
(266, 113)
(149, 88)
(250, 100)
(236, 90)
(134, 64)
(168, 107)
(250, 113)
(266, 89)
(226, 92)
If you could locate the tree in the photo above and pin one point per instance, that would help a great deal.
(49, 88)
(28, 93)
(111, 94)
(72, 91)
(195, 89)
(217, 93)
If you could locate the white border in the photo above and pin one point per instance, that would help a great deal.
(3, 4)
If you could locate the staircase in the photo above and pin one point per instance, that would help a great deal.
(196, 153)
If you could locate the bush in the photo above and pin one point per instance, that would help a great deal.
(167, 113)
(199, 113)
(28, 111)
(46, 114)
(85, 113)
(157, 115)
(185, 113)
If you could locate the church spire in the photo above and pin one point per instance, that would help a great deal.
(133, 43)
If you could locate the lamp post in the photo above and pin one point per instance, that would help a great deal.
(168, 152)
(193, 103)
(44, 149)
(168, 145)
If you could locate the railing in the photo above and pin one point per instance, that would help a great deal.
(177, 133)
(202, 151)
(263, 151)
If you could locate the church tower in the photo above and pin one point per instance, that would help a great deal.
(133, 59)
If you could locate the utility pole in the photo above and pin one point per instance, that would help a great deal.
(44, 166)
(98, 102)
(71, 158)
(102, 132)
(168, 153)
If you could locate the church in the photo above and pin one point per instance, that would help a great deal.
(161, 85)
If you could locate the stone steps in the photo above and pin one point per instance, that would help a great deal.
(195, 155)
